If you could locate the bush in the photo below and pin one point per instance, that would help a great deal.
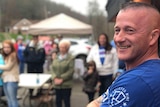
(2, 37)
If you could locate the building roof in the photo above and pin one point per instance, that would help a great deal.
(22, 24)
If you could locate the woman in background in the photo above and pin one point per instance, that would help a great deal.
(105, 57)
(62, 70)
(10, 74)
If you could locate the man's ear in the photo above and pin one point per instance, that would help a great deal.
(155, 34)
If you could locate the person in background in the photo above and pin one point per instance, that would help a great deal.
(10, 73)
(54, 54)
(34, 55)
(137, 44)
(54, 47)
(105, 57)
(91, 78)
(58, 39)
(19, 46)
(48, 48)
(54, 51)
(1, 81)
(62, 70)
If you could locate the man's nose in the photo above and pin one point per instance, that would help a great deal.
(119, 37)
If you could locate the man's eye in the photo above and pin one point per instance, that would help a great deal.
(129, 30)
(116, 30)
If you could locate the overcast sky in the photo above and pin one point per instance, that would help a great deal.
(81, 5)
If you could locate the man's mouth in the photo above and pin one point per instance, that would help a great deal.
(124, 47)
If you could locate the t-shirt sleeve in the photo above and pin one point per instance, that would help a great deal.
(131, 91)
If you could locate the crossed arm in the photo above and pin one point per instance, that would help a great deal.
(95, 103)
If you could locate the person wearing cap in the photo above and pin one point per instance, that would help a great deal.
(19, 47)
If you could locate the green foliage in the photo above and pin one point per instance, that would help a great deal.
(12, 10)
(13, 36)
(4, 36)
(1, 37)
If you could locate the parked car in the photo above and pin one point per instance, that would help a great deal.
(79, 48)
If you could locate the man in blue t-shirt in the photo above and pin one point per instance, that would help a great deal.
(137, 30)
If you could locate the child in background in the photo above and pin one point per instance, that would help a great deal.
(91, 78)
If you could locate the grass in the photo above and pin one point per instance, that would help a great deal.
(1, 37)
(4, 36)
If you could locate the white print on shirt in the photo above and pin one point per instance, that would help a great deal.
(119, 97)
(105, 96)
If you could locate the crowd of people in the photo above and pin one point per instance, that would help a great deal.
(57, 60)
(136, 86)
(13, 58)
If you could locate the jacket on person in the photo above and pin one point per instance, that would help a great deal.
(34, 54)
(1, 71)
(110, 65)
(10, 69)
(90, 81)
(63, 69)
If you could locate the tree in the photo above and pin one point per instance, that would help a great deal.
(14, 10)
(97, 19)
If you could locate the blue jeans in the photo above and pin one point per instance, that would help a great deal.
(10, 90)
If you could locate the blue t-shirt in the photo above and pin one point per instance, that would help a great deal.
(20, 51)
(102, 53)
(139, 87)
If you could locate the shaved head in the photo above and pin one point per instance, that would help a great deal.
(148, 10)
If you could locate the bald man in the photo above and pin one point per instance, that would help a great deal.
(137, 30)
